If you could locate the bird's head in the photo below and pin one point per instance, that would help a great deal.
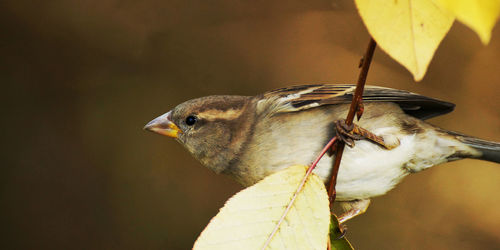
(207, 127)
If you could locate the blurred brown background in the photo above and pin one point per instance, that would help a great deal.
(81, 78)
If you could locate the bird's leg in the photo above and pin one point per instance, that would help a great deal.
(346, 133)
(353, 209)
(349, 133)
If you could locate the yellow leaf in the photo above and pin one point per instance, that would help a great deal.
(479, 15)
(248, 218)
(408, 30)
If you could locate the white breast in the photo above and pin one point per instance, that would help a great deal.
(368, 170)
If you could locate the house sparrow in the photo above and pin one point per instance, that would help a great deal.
(251, 137)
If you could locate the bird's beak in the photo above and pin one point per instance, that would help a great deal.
(163, 126)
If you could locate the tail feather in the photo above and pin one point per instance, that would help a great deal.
(490, 151)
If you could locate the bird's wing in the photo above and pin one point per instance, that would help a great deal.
(303, 97)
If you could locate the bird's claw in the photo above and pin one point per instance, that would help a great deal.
(349, 133)
(346, 133)
(343, 231)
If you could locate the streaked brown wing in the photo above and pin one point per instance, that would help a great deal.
(298, 98)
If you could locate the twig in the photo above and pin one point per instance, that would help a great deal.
(353, 110)
(355, 104)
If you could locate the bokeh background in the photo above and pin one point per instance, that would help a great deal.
(81, 78)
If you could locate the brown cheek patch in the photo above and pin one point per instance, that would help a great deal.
(216, 114)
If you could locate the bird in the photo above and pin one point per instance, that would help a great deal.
(251, 137)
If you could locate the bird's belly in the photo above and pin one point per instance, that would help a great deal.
(367, 170)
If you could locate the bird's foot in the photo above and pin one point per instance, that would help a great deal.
(346, 133)
(349, 133)
(353, 209)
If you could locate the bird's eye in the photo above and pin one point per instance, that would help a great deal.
(191, 120)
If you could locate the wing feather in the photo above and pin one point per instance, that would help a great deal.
(297, 98)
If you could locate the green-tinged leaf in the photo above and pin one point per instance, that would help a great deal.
(337, 240)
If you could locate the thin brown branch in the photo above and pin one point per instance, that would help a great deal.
(354, 109)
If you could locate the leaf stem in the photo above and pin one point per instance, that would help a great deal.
(323, 152)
